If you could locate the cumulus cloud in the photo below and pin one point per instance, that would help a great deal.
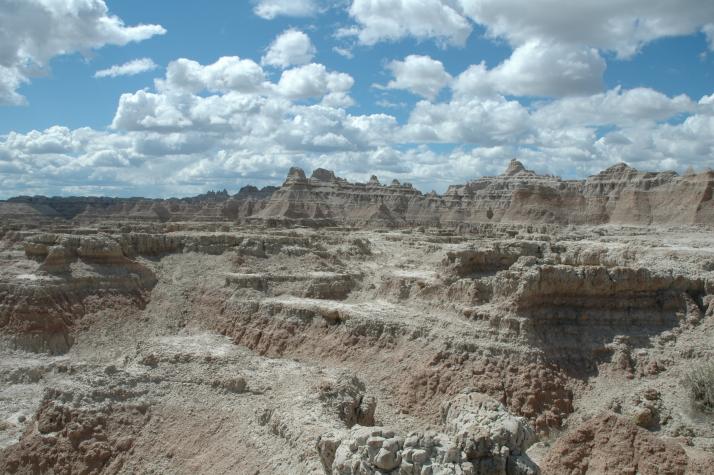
(537, 69)
(392, 20)
(10, 81)
(131, 68)
(173, 141)
(312, 80)
(238, 138)
(229, 122)
(35, 31)
(228, 73)
(270, 9)
(56, 139)
(303, 111)
(553, 54)
(621, 107)
(483, 122)
(291, 48)
(623, 27)
(421, 75)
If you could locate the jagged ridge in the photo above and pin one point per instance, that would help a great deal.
(618, 195)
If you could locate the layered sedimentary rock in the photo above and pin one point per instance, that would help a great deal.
(618, 195)
(451, 352)
(65, 278)
(168, 335)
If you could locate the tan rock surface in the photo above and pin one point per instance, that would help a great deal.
(217, 346)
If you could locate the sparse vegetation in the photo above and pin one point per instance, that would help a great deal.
(701, 384)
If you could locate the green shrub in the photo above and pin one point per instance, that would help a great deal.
(701, 384)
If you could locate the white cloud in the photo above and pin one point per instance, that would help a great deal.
(344, 52)
(557, 44)
(537, 69)
(312, 80)
(235, 138)
(10, 81)
(146, 110)
(615, 107)
(55, 139)
(35, 31)
(421, 75)
(227, 122)
(228, 73)
(622, 26)
(392, 20)
(483, 122)
(338, 100)
(258, 119)
(291, 48)
(270, 9)
(130, 68)
(709, 33)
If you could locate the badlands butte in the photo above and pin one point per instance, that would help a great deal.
(517, 324)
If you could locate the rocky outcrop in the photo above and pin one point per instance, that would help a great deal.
(72, 276)
(618, 195)
(68, 439)
(610, 443)
(480, 438)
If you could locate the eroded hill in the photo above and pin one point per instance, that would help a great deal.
(376, 341)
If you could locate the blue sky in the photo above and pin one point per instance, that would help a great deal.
(431, 91)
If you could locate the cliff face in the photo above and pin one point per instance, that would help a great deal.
(618, 195)
(324, 199)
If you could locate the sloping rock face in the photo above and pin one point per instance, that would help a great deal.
(610, 443)
(619, 195)
(327, 331)
(65, 278)
(325, 200)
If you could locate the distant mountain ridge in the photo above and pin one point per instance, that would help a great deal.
(618, 195)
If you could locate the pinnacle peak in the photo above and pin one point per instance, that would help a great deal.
(514, 167)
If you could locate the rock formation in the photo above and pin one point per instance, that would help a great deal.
(610, 443)
(482, 438)
(509, 326)
(618, 195)
(39, 308)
